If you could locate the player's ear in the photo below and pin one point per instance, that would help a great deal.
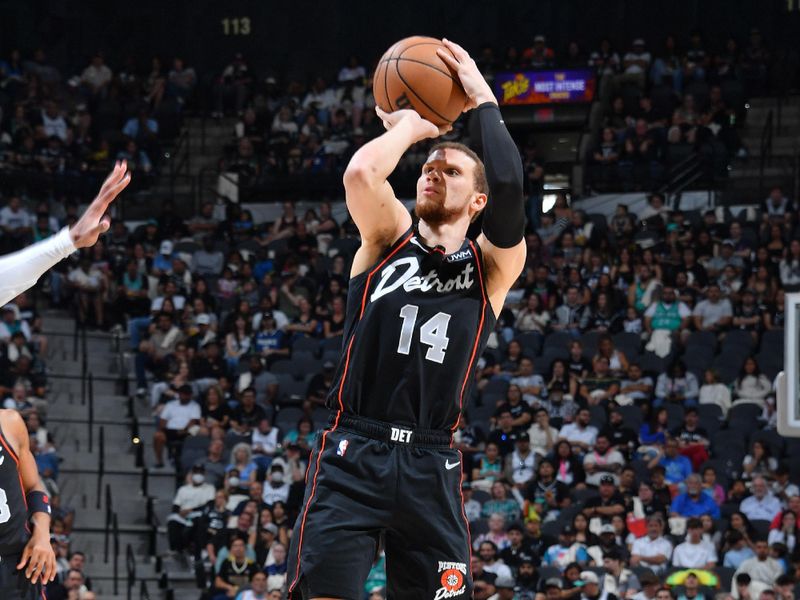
(478, 203)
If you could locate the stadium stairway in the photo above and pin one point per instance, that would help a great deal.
(188, 170)
(779, 166)
(99, 476)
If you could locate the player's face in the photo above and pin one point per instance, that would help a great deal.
(446, 187)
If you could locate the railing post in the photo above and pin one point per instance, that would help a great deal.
(116, 554)
(109, 512)
(75, 341)
(90, 420)
(130, 565)
(101, 462)
(144, 488)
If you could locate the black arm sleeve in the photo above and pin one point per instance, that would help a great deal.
(504, 215)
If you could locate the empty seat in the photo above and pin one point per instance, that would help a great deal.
(628, 343)
(772, 341)
(531, 343)
(550, 354)
(557, 340)
(632, 416)
(674, 414)
(599, 416)
(710, 411)
(589, 341)
(770, 363)
(334, 343)
(746, 412)
(653, 364)
(702, 338)
(308, 345)
(728, 366)
(496, 385)
(287, 418)
(736, 338)
(728, 440)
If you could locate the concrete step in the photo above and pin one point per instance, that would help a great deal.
(755, 170)
(93, 542)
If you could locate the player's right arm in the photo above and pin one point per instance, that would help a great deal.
(380, 217)
(21, 270)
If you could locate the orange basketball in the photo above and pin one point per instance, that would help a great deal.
(411, 75)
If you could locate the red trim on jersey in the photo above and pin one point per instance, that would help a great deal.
(305, 511)
(484, 302)
(463, 512)
(7, 446)
(361, 314)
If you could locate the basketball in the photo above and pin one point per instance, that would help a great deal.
(411, 75)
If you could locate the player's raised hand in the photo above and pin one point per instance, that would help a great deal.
(422, 128)
(94, 221)
(40, 559)
(478, 91)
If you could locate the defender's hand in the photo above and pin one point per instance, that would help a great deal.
(478, 91)
(40, 558)
(94, 222)
(421, 128)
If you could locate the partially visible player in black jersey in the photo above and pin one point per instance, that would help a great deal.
(27, 561)
(422, 302)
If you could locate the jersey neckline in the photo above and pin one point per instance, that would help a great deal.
(417, 240)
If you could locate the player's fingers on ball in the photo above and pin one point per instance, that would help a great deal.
(448, 58)
(457, 50)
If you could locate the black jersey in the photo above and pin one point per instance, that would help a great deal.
(416, 325)
(14, 531)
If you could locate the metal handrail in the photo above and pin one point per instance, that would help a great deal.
(130, 566)
(116, 554)
(90, 419)
(152, 521)
(179, 159)
(101, 462)
(765, 147)
(109, 513)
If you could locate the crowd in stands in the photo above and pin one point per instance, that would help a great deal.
(662, 106)
(609, 442)
(60, 133)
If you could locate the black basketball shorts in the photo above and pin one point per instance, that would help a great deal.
(13, 583)
(368, 479)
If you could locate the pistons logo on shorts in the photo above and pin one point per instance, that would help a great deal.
(452, 580)
(342, 447)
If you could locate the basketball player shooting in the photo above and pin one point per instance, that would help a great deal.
(422, 302)
(27, 561)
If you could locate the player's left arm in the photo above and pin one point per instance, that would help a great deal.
(502, 238)
(38, 554)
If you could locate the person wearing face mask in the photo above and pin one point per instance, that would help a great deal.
(276, 489)
(187, 505)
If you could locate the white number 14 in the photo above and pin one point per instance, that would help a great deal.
(432, 332)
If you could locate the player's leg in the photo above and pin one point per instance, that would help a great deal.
(335, 537)
(427, 546)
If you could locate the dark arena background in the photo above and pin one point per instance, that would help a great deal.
(620, 439)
